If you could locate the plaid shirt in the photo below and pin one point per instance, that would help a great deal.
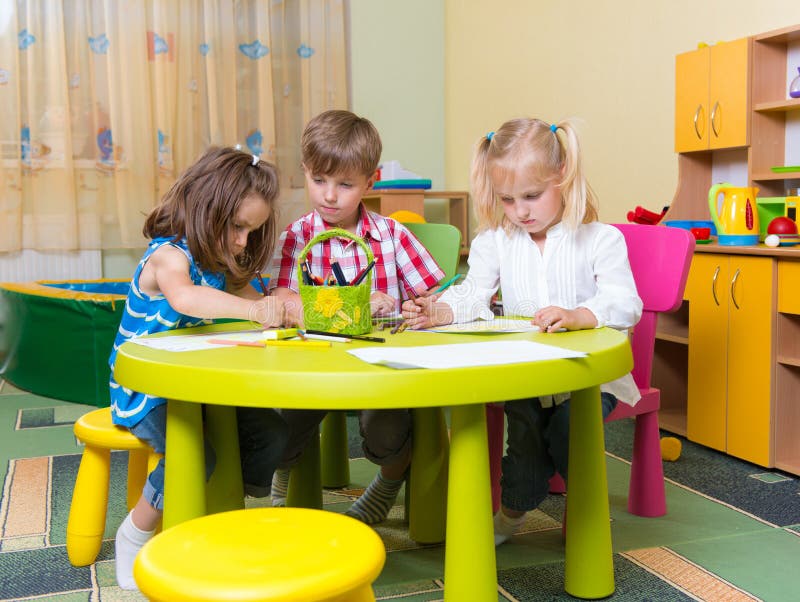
(402, 264)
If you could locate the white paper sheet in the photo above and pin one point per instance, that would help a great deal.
(199, 342)
(462, 355)
(498, 325)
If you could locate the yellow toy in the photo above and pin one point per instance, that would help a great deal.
(670, 449)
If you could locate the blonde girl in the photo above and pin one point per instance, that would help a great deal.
(539, 242)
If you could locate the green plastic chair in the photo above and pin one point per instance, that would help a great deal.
(443, 241)
(426, 488)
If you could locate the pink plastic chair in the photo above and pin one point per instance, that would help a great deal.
(659, 258)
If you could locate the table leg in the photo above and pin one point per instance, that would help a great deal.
(185, 474)
(470, 568)
(225, 490)
(426, 488)
(305, 478)
(589, 571)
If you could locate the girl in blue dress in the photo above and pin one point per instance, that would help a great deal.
(212, 231)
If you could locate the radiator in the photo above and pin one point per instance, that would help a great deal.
(50, 265)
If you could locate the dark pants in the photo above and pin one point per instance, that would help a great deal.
(386, 434)
(262, 439)
(537, 447)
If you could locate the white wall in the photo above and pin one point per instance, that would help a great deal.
(397, 79)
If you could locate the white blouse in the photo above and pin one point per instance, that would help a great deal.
(587, 268)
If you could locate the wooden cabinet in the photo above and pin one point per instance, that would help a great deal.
(731, 312)
(787, 372)
(711, 97)
(728, 362)
(773, 110)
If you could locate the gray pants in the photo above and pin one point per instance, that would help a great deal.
(386, 434)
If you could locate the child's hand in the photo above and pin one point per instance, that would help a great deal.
(268, 311)
(552, 319)
(425, 312)
(381, 304)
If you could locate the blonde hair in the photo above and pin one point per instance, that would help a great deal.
(338, 141)
(552, 154)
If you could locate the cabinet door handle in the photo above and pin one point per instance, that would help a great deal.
(714, 285)
(733, 288)
(695, 120)
(714, 119)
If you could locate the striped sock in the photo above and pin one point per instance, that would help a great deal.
(280, 485)
(374, 504)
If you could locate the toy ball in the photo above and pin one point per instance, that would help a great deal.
(772, 240)
(670, 449)
(782, 225)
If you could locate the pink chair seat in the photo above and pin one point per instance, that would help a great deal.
(660, 257)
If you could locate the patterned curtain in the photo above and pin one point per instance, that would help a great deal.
(104, 103)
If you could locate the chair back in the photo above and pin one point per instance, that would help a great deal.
(660, 257)
(443, 242)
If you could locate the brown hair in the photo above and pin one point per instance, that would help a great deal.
(202, 204)
(339, 141)
(550, 152)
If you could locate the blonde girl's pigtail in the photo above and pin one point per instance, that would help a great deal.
(481, 185)
(580, 201)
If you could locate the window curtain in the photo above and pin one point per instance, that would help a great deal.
(104, 103)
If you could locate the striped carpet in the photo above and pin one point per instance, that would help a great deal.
(732, 531)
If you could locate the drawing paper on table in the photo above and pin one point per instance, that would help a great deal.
(498, 325)
(199, 342)
(463, 355)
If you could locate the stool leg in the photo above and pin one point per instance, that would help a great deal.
(137, 473)
(224, 491)
(426, 493)
(87, 512)
(334, 451)
(305, 486)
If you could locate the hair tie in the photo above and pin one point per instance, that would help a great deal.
(553, 128)
(489, 136)
(256, 159)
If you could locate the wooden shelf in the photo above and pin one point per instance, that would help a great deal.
(778, 106)
(780, 36)
(788, 360)
(672, 420)
(771, 175)
(671, 338)
(388, 200)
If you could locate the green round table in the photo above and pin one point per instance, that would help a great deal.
(331, 378)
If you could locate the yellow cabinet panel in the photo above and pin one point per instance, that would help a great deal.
(711, 97)
(707, 387)
(691, 100)
(789, 287)
(731, 313)
(750, 318)
(728, 94)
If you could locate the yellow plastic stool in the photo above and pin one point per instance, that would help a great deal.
(283, 554)
(87, 512)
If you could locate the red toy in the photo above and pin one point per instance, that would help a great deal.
(640, 215)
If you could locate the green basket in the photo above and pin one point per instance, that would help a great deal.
(343, 309)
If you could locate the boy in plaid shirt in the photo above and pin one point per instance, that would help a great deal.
(340, 156)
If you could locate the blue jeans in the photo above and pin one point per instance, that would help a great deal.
(537, 447)
(152, 429)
